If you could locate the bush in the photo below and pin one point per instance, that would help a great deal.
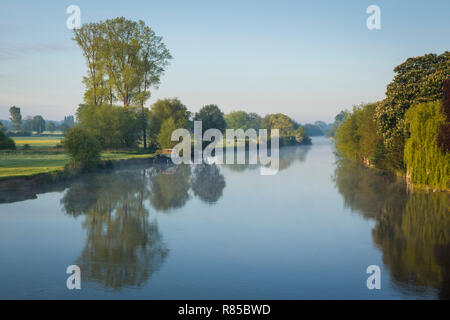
(425, 163)
(6, 142)
(83, 148)
(165, 134)
(26, 146)
(112, 126)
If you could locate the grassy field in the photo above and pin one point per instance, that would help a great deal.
(44, 157)
(37, 142)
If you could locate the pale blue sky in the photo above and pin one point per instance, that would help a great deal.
(308, 59)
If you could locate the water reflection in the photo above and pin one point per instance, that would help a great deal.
(412, 228)
(207, 183)
(288, 155)
(124, 247)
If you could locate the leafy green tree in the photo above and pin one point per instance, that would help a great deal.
(417, 80)
(255, 120)
(243, 120)
(280, 121)
(301, 136)
(125, 59)
(2, 127)
(443, 138)
(83, 148)
(51, 126)
(64, 127)
(338, 119)
(91, 41)
(113, 126)
(426, 164)
(16, 117)
(6, 142)
(70, 121)
(165, 134)
(357, 139)
(163, 109)
(212, 118)
(28, 125)
(38, 124)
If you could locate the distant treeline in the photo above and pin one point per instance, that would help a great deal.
(17, 126)
(409, 131)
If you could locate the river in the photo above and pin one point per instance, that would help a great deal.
(228, 232)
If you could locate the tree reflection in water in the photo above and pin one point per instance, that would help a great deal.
(123, 247)
(288, 155)
(412, 228)
(208, 183)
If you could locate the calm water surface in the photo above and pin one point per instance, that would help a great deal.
(226, 232)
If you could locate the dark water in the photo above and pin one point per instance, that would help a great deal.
(228, 232)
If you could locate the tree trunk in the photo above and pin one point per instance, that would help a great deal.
(144, 127)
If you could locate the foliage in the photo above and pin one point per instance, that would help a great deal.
(38, 124)
(290, 131)
(16, 117)
(313, 130)
(124, 58)
(51, 126)
(112, 126)
(417, 80)
(279, 121)
(338, 119)
(425, 162)
(443, 138)
(6, 142)
(165, 134)
(83, 148)
(3, 127)
(28, 126)
(301, 136)
(212, 118)
(243, 120)
(356, 137)
(164, 109)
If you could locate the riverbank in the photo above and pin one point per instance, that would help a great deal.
(19, 188)
(29, 163)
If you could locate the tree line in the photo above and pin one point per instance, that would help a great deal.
(25, 127)
(125, 61)
(408, 131)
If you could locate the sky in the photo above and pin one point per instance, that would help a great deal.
(307, 59)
